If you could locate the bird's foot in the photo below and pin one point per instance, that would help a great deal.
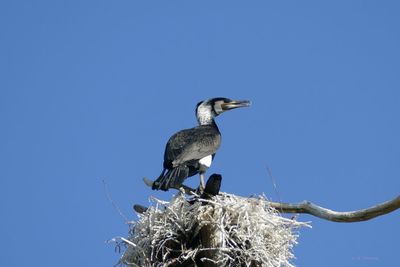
(187, 190)
(200, 190)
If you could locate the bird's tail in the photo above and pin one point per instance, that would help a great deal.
(172, 179)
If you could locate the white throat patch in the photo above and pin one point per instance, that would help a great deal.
(204, 114)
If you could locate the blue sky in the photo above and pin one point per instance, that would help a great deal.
(92, 90)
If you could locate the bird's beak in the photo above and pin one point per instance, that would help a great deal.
(235, 104)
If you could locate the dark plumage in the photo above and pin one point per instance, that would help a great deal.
(191, 151)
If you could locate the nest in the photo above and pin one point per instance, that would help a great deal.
(226, 230)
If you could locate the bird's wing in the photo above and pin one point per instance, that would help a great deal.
(191, 144)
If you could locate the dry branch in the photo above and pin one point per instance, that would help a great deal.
(324, 213)
(336, 216)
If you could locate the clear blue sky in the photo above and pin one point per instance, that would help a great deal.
(92, 90)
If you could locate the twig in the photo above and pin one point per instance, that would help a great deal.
(273, 180)
(108, 195)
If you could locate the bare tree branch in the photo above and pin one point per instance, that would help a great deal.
(336, 216)
(317, 211)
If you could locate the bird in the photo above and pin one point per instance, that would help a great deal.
(191, 151)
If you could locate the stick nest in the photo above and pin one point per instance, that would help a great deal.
(226, 230)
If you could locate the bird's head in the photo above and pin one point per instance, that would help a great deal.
(208, 109)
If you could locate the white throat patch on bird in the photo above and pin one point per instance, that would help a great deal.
(204, 114)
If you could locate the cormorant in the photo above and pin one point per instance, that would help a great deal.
(191, 151)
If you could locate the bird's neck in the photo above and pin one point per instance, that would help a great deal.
(206, 121)
(209, 123)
